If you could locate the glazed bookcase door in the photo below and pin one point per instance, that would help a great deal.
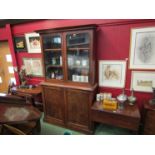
(53, 57)
(78, 56)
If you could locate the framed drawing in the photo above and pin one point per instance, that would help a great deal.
(142, 81)
(112, 73)
(142, 48)
(20, 44)
(33, 66)
(33, 42)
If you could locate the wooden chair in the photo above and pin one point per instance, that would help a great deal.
(29, 128)
(7, 128)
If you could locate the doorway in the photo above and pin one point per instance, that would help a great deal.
(6, 67)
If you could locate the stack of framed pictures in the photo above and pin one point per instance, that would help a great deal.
(142, 59)
(29, 43)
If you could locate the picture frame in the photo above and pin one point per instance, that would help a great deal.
(33, 66)
(142, 81)
(20, 44)
(142, 48)
(112, 73)
(33, 42)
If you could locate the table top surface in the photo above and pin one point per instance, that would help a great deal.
(149, 106)
(33, 91)
(16, 113)
(129, 110)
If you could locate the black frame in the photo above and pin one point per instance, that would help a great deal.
(17, 40)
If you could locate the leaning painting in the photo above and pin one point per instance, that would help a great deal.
(112, 73)
(142, 50)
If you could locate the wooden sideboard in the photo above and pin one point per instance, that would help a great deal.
(68, 106)
(128, 118)
(149, 119)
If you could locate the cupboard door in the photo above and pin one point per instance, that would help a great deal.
(53, 57)
(54, 104)
(77, 109)
(78, 56)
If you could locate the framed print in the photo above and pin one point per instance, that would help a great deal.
(33, 66)
(20, 44)
(33, 42)
(142, 81)
(112, 73)
(142, 48)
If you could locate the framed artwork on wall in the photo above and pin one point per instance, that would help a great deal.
(143, 81)
(33, 66)
(142, 48)
(33, 42)
(112, 73)
(20, 44)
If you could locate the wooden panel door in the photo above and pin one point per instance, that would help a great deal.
(6, 68)
(54, 105)
(77, 109)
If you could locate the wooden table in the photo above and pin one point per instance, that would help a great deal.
(36, 94)
(18, 113)
(31, 91)
(128, 118)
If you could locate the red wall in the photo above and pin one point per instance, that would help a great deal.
(3, 34)
(113, 42)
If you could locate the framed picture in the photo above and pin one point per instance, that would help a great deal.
(142, 81)
(112, 73)
(33, 66)
(33, 42)
(142, 48)
(20, 44)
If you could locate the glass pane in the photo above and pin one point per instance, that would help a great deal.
(1, 79)
(13, 80)
(78, 40)
(53, 64)
(8, 58)
(11, 70)
(53, 56)
(78, 57)
(51, 42)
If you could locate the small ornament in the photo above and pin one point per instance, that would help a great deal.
(98, 97)
(121, 99)
(132, 98)
(152, 101)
